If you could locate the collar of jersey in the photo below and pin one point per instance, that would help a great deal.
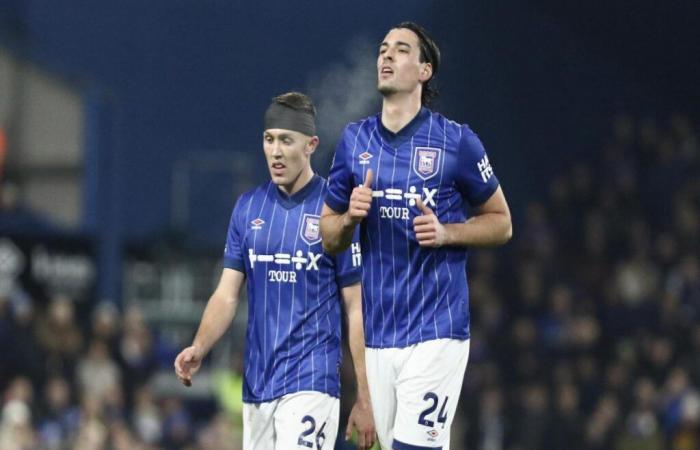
(404, 134)
(290, 201)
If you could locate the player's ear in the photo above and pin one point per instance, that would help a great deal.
(312, 145)
(426, 72)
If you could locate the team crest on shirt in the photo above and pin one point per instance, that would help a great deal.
(311, 229)
(426, 161)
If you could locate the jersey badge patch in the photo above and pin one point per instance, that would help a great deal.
(426, 161)
(311, 229)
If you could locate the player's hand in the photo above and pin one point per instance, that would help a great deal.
(429, 231)
(362, 419)
(187, 364)
(360, 201)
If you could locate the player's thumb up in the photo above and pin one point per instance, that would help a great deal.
(368, 179)
(424, 209)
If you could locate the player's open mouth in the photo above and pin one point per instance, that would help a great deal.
(278, 169)
(387, 70)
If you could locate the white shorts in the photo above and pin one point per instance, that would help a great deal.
(302, 420)
(415, 391)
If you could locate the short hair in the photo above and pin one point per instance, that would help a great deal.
(297, 101)
(429, 53)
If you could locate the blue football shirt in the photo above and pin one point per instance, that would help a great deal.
(293, 340)
(411, 294)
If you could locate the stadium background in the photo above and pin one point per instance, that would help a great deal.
(128, 128)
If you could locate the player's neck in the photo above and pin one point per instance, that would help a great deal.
(302, 180)
(398, 110)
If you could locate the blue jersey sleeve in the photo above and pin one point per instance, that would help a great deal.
(340, 181)
(348, 265)
(233, 252)
(476, 180)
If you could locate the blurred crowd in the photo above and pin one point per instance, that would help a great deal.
(585, 329)
(586, 334)
(71, 384)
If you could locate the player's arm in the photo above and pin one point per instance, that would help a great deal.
(489, 226)
(361, 414)
(218, 314)
(337, 228)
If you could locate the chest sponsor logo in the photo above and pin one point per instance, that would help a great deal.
(426, 161)
(287, 264)
(411, 196)
(311, 229)
(257, 224)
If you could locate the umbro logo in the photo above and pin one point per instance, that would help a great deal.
(257, 223)
(365, 157)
